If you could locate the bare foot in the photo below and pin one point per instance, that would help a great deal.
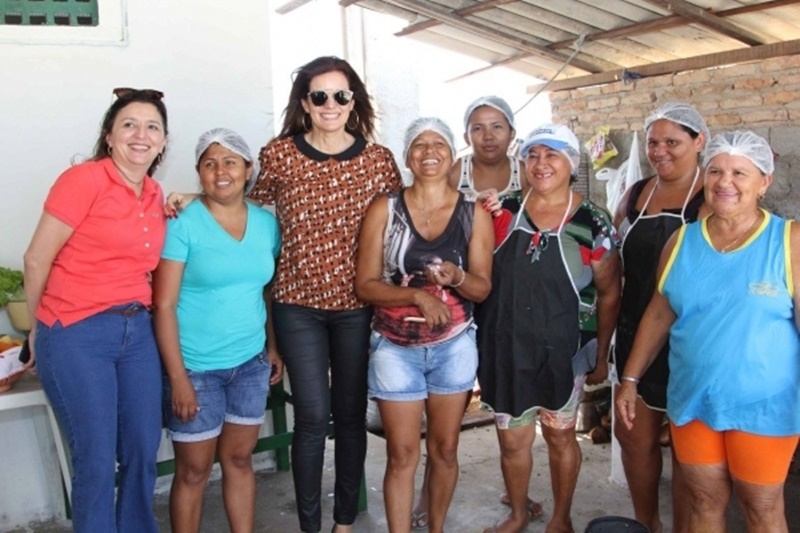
(554, 527)
(535, 509)
(509, 525)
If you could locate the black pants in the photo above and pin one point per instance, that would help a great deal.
(311, 341)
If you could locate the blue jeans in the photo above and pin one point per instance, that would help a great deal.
(103, 377)
(312, 341)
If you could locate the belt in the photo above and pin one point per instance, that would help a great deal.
(127, 311)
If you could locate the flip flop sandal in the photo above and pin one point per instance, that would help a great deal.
(419, 521)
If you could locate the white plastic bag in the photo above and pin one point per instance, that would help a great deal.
(626, 175)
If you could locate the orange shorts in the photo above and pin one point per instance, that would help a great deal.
(752, 458)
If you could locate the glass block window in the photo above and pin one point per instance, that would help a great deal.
(49, 13)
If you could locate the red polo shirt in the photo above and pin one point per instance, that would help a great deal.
(116, 243)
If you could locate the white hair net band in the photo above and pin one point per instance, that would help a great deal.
(424, 124)
(232, 141)
(680, 113)
(745, 144)
(491, 101)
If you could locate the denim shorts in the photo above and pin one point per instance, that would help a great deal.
(410, 373)
(235, 395)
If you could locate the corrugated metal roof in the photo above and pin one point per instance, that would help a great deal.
(601, 40)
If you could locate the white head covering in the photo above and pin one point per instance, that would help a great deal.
(491, 101)
(423, 124)
(233, 142)
(745, 144)
(555, 136)
(682, 114)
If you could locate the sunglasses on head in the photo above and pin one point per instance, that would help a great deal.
(128, 92)
(342, 97)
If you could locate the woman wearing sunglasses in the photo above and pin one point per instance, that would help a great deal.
(87, 281)
(322, 173)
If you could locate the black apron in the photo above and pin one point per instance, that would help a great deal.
(529, 324)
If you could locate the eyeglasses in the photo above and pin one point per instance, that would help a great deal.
(128, 92)
(342, 97)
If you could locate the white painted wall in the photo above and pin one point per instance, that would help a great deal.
(213, 64)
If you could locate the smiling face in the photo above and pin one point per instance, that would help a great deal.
(489, 134)
(547, 169)
(223, 174)
(733, 184)
(137, 136)
(429, 155)
(330, 116)
(671, 150)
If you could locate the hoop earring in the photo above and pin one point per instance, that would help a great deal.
(353, 127)
(310, 124)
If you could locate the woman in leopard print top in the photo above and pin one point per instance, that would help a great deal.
(321, 174)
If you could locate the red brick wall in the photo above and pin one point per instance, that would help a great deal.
(762, 96)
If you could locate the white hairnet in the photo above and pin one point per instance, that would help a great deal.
(491, 101)
(745, 144)
(232, 141)
(680, 113)
(424, 124)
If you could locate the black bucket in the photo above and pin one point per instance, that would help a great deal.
(615, 524)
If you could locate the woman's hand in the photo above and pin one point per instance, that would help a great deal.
(434, 310)
(184, 399)
(444, 274)
(490, 201)
(276, 362)
(177, 202)
(626, 403)
(600, 373)
(31, 342)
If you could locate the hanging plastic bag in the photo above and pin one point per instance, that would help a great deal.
(621, 179)
(600, 148)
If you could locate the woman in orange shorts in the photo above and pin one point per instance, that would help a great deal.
(727, 301)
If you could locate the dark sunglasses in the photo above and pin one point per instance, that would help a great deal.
(128, 92)
(342, 97)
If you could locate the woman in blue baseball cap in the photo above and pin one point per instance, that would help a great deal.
(547, 324)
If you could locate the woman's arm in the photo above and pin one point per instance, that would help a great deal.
(48, 239)
(478, 282)
(651, 335)
(166, 289)
(273, 355)
(606, 277)
(369, 268)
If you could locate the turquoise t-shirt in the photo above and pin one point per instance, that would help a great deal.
(221, 310)
(734, 354)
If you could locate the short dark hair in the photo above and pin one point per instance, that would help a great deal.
(294, 114)
(101, 148)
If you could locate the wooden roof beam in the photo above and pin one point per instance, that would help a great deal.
(490, 33)
(664, 23)
(477, 7)
(742, 55)
(700, 16)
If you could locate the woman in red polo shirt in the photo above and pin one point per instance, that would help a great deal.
(87, 280)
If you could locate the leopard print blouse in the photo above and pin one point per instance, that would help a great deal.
(320, 201)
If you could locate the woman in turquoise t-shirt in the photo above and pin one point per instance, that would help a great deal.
(727, 300)
(210, 321)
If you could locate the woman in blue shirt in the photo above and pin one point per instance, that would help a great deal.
(210, 322)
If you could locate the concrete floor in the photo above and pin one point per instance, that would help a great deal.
(475, 503)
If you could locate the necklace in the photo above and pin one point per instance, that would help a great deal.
(725, 249)
(125, 176)
(427, 216)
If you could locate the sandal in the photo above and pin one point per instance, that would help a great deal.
(419, 521)
(535, 509)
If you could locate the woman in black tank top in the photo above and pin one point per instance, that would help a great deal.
(650, 211)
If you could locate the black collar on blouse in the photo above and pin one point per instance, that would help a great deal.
(309, 151)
